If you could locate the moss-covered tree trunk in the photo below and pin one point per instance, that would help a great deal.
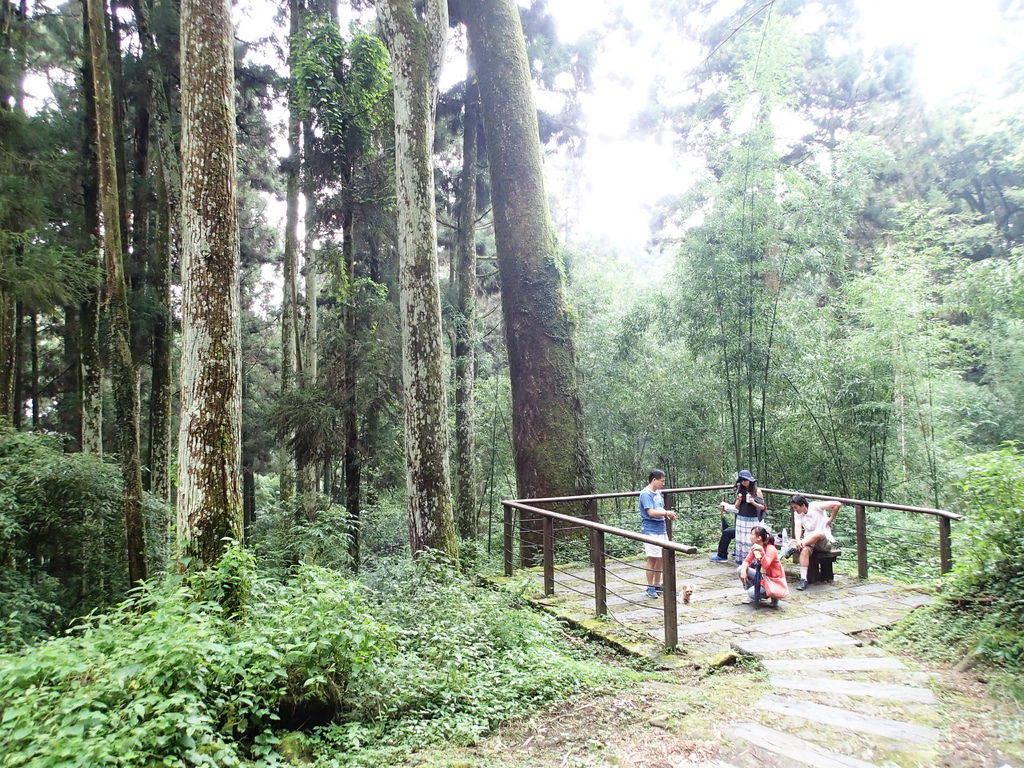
(91, 363)
(124, 378)
(8, 357)
(168, 185)
(352, 457)
(310, 338)
(289, 343)
(548, 438)
(415, 35)
(465, 321)
(209, 438)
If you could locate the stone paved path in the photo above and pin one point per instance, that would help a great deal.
(836, 702)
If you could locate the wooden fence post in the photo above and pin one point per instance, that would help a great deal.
(945, 546)
(507, 538)
(862, 542)
(668, 583)
(600, 586)
(549, 555)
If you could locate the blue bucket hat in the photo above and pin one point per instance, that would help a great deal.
(745, 475)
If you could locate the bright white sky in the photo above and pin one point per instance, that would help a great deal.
(959, 46)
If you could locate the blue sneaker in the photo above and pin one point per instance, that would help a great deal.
(717, 559)
(652, 592)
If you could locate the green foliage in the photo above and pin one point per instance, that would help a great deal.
(467, 661)
(177, 679)
(344, 85)
(284, 537)
(62, 535)
(982, 607)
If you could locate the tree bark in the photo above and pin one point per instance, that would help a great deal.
(417, 47)
(124, 378)
(91, 362)
(8, 355)
(19, 364)
(310, 348)
(352, 458)
(465, 320)
(209, 438)
(168, 186)
(33, 346)
(551, 454)
(70, 405)
(291, 246)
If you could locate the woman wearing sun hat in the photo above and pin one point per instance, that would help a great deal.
(750, 509)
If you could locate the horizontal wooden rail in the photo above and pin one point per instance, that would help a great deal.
(878, 504)
(686, 549)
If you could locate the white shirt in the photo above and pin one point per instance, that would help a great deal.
(815, 520)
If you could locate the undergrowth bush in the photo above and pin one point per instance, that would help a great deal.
(981, 609)
(62, 537)
(235, 667)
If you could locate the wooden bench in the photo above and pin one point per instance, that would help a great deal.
(820, 567)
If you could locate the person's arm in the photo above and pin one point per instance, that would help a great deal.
(833, 506)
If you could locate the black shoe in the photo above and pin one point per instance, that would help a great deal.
(802, 584)
(659, 589)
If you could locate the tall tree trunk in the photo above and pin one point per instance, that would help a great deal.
(289, 332)
(310, 351)
(417, 48)
(209, 440)
(33, 341)
(70, 406)
(350, 419)
(168, 186)
(465, 321)
(91, 370)
(8, 355)
(124, 379)
(19, 364)
(210, 436)
(551, 454)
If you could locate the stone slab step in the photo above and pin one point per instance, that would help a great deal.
(818, 640)
(707, 627)
(796, 750)
(847, 720)
(857, 601)
(700, 595)
(785, 626)
(871, 589)
(848, 664)
(854, 688)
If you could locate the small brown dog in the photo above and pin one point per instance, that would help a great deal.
(685, 591)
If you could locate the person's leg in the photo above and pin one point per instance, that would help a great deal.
(728, 534)
(755, 579)
(650, 569)
(656, 573)
(805, 556)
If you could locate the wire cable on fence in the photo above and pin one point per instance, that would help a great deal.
(634, 602)
(571, 575)
(624, 562)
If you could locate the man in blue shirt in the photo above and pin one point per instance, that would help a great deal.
(652, 523)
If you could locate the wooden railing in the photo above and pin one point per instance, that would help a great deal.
(598, 532)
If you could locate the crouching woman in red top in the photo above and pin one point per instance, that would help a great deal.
(761, 571)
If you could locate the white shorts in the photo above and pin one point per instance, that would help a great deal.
(653, 550)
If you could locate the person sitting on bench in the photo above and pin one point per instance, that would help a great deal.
(812, 530)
